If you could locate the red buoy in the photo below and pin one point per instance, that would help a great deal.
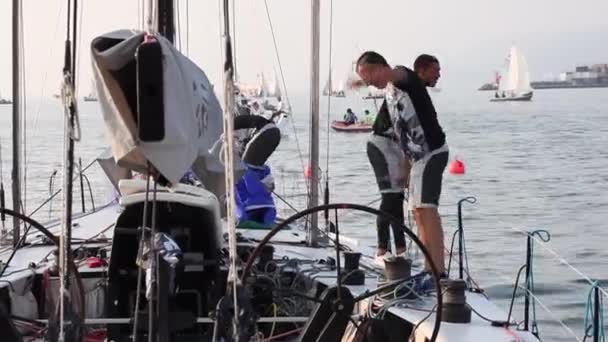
(307, 172)
(456, 167)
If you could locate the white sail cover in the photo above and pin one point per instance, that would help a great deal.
(192, 113)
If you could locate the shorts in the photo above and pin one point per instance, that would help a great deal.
(389, 163)
(262, 145)
(425, 179)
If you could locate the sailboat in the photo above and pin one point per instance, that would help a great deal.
(91, 97)
(164, 262)
(514, 84)
(374, 94)
(4, 101)
(333, 88)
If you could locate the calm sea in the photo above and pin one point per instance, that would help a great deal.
(536, 165)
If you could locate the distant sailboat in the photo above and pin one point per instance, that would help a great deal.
(275, 86)
(330, 90)
(4, 101)
(514, 84)
(92, 97)
(374, 94)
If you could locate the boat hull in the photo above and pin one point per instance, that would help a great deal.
(359, 127)
(522, 97)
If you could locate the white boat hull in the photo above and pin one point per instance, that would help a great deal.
(521, 97)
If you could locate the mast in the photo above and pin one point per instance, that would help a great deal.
(16, 172)
(166, 24)
(313, 234)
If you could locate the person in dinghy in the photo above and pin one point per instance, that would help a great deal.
(254, 202)
(350, 117)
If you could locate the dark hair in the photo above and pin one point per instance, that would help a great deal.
(424, 61)
(349, 110)
(371, 57)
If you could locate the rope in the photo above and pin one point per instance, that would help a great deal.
(187, 28)
(140, 14)
(221, 34)
(77, 57)
(1, 163)
(512, 333)
(229, 112)
(178, 24)
(43, 86)
(553, 315)
(23, 108)
(150, 16)
(293, 126)
(274, 306)
(154, 269)
(556, 256)
(236, 74)
(139, 256)
(331, 14)
(589, 315)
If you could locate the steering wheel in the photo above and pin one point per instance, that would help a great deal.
(70, 258)
(357, 207)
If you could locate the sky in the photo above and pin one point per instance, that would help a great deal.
(471, 38)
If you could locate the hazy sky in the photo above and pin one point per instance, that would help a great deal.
(471, 37)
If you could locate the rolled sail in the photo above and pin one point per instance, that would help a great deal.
(157, 105)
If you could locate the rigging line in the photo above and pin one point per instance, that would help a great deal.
(555, 255)
(293, 125)
(78, 57)
(236, 74)
(331, 14)
(62, 242)
(23, 105)
(229, 112)
(50, 198)
(150, 17)
(188, 28)
(178, 24)
(154, 270)
(44, 79)
(221, 40)
(545, 307)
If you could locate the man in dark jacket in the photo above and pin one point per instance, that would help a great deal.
(411, 115)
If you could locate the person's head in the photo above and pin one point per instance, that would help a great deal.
(349, 111)
(279, 98)
(374, 69)
(256, 105)
(428, 69)
(366, 112)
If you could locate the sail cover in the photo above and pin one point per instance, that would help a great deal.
(192, 116)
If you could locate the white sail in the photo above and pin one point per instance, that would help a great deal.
(327, 89)
(192, 115)
(516, 77)
(523, 75)
(277, 87)
(264, 88)
(274, 88)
